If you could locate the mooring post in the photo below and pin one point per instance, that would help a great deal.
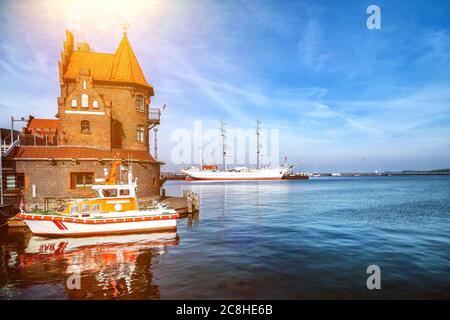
(189, 201)
(196, 202)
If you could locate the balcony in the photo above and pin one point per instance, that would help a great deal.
(154, 116)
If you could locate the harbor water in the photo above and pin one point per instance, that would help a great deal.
(296, 239)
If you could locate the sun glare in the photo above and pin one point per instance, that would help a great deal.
(85, 14)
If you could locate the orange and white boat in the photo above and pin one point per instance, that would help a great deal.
(114, 211)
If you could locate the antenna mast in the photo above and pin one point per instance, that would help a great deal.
(224, 146)
(257, 142)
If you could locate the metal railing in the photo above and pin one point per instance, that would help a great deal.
(35, 140)
(154, 114)
(8, 144)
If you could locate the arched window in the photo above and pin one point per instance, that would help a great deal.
(140, 103)
(95, 104)
(140, 133)
(84, 100)
(73, 103)
(85, 128)
(84, 84)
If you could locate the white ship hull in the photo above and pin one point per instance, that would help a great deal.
(251, 174)
(52, 225)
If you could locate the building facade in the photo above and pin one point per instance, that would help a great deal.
(103, 113)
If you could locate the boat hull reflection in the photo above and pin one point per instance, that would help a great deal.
(107, 267)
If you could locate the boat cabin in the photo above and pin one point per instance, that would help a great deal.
(112, 196)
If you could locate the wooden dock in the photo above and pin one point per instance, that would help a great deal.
(7, 217)
(188, 203)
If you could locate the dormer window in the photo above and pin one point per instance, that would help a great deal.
(73, 103)
(140, 103)
(84, 100)
(95, 104)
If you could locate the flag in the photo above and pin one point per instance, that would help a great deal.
(22, 206)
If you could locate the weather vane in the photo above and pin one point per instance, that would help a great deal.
(125, 26)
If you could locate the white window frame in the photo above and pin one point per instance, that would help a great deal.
(140, 103)
(84, 100)
(140, 133)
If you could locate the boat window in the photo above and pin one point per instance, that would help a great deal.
(110, 192)
(96, 207)
(85, 208)
(125, 192)
(74, 209)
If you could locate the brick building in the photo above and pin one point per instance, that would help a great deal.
(103, 113)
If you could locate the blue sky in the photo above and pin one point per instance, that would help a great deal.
(343, 97)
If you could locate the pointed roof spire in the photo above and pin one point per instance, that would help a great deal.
(121, 66)
(125, 66)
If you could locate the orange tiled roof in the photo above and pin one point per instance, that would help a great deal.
(100, 65)
(32, 152)
(43, 123)
(122, 66)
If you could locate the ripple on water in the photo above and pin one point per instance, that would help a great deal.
(256, 240)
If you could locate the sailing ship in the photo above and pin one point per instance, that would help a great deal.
(114, 211)
(212, 172)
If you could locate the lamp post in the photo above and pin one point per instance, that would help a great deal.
(22, 119)
(1, 169)
(156, 142)
(160, 111)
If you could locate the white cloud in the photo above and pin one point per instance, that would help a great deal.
(310, 47)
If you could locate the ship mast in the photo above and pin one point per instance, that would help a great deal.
(257, 142)
(200, 151)
(224, 146)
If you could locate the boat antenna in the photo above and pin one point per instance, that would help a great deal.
(130, 171)
(257, 142)
(224, 144)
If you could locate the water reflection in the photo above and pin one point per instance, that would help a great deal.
(108, 267)
(260, 240)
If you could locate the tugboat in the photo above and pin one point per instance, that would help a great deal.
(114, 211)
